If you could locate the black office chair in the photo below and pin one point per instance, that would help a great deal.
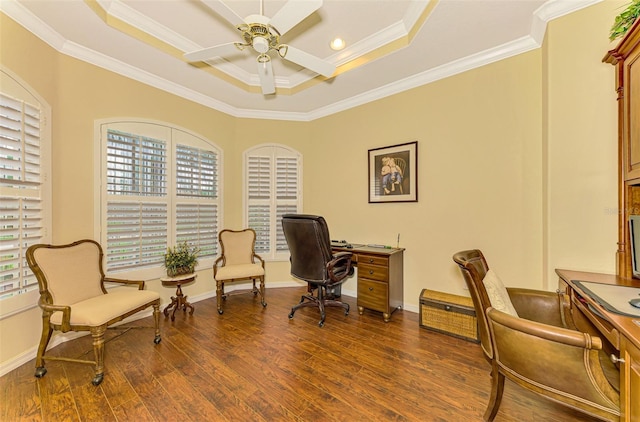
(313, 262)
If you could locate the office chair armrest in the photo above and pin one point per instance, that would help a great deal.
(140, 283)
(48, 309)
(340, 266)
(538, 305)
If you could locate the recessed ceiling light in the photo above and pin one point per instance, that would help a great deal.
(337, 44)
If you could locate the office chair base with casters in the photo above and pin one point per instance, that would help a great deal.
(321, 302)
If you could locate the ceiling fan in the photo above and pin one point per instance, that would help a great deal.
(263, 35)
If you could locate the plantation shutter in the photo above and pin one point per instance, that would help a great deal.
(136, 227)
(136, 234)
(197, 224)
(21, 209)
(259, 210)
(273, 186)
(197, 178)
(286, 194)
(136, 165)
(196, 172)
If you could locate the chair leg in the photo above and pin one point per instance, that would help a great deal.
(323, 314)
(156, 320)
(497, 388)
(42, 347)
(98, 351)
(262, 292)
(219, 294)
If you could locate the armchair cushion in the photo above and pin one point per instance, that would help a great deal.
(103, 308)
(498, 295)
(236, 271)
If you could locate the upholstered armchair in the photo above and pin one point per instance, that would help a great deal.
(527, 337)
(238, 261)
(73, 297)
(312, 261)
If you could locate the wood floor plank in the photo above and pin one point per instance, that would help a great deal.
(19, 388)
(254, 363)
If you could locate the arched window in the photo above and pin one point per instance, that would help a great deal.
(160, 186)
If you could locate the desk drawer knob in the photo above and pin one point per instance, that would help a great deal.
(371, 289)
(370, 260)
(370, 271)
(616, 359)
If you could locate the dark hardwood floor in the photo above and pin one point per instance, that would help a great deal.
(254, 364)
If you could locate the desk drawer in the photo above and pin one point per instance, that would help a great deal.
(373, 295)
(374, 272)
(373, 259)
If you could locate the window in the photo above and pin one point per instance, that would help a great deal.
(273, 180)
(161, 188)
(25, 207)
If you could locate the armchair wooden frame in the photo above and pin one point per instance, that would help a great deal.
(95, 312)
(539, 349)
(238, 261)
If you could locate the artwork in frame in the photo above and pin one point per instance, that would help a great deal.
(393, 173)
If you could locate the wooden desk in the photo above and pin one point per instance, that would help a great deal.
(621, 331)
(380, 278)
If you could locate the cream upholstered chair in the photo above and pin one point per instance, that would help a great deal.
(528, 336)
(73, 297)
(238, 261)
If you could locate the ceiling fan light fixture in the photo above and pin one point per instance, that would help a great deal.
(260, 44)
(337, 44)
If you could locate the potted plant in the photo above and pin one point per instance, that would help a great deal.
(625, 20)
(181, 259)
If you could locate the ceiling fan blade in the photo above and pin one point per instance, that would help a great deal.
(265, 73)
(292, 13)
(224, 11)
(211, 52)
(307, 60)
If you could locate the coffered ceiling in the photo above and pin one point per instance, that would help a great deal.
(391, 46)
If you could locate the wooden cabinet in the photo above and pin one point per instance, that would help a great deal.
(380, 284)
(629, 381)
(626, 58)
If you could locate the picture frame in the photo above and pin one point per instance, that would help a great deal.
(393, 173)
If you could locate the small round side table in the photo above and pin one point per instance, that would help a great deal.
(179, 301)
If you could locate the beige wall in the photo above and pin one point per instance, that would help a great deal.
(516, 158)
(581, 141)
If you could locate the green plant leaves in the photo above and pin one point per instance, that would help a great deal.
(182, 255)
(624, 20)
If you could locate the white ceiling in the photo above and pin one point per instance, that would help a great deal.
(392, 45)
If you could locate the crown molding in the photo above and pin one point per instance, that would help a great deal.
(550, 10)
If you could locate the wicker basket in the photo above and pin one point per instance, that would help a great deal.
(448, 314)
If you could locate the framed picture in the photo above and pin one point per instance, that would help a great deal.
(393, 173)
